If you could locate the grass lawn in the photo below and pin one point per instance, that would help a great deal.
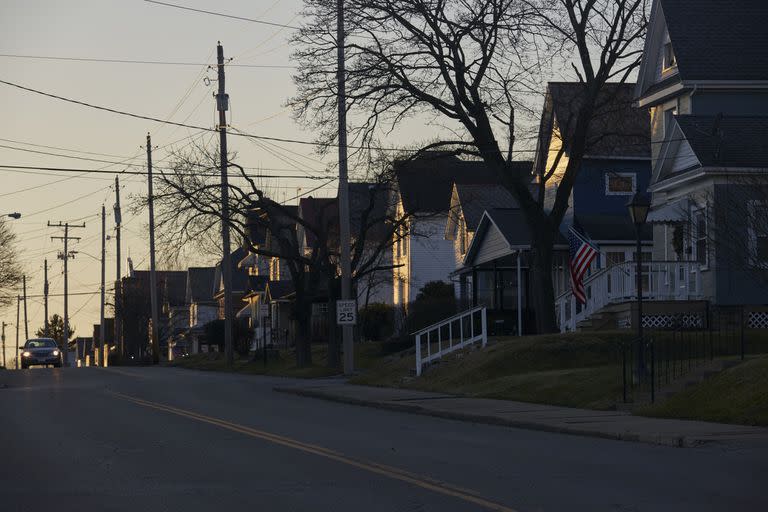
(366, 355)
(575, 369)
(737, 395)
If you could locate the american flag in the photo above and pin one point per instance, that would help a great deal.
(581, 252)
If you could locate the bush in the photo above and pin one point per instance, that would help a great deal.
(435, 301)
(241, 335)
(377, 321)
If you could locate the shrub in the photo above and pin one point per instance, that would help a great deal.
(377, 321)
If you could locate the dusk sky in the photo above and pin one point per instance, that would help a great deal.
(127, 30)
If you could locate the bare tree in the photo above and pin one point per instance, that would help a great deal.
(10, 269)
(470, 64)
(187, 207)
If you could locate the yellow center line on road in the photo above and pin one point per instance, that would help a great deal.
(372, 467)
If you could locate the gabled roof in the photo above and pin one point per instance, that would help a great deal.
(171, 284)
(511, 225)
(475, 199)
(279, 290)
(617, 129)
(719, 39)
(199, 284)
(727, 141)
(425, 183)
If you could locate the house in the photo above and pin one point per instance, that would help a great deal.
(137, 309)
(495, 266)
(704, 80)
(201, 305)
(468, 203)
(239, 285)
(422, 193)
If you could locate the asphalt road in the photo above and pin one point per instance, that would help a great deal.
(151, 439)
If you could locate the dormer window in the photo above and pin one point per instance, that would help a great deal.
(670, 61)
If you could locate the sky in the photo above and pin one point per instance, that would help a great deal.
(128, 30)
(258, 83)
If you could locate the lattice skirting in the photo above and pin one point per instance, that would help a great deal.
(685, 321)
(757, 320)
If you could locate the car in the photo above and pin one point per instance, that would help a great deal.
(40, 352)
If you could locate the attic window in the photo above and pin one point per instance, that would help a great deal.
(670, 61)
(620, 183)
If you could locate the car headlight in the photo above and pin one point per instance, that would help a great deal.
(26, 353)
(55, 353)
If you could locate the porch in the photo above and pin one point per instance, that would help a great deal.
(672, 281)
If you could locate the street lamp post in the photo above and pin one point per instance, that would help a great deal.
(638, 212)
(14, 215)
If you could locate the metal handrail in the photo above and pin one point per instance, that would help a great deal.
(447, 320)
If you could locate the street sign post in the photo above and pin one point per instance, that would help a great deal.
(346, 312)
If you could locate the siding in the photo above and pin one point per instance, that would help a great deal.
(493, 246)
(431, 256)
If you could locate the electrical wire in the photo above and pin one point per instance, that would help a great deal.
(144, 173)
(222, 15)
(151, 62)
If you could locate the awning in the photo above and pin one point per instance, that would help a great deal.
(670, 213)
(245, 312)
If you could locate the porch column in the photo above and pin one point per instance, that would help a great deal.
(519, 297)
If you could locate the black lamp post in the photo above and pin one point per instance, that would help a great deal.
(638, 212)
(14, 215)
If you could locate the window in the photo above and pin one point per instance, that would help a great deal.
(758, 233)
(699, 237)
(670, 61)
(620, 183)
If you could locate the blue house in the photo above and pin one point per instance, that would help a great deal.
(616, 165)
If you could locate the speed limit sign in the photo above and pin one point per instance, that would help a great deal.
(346, 312)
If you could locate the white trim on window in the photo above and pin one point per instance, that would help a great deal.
(699, 213)
(610, 175)
(753, 235)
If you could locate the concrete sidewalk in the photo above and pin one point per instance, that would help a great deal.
(605, 424)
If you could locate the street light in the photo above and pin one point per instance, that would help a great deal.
(14, 215)
(638, 212)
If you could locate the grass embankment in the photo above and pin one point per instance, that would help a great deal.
(577, 369)
(366, 354)
(737, 395)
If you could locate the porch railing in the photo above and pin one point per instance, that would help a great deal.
(661, 280)
(449, 335)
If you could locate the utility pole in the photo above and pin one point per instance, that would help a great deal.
(346, 266)
(65, 256)
(222, 105)
(16, 350)
(152, 274)
(102, 330)
(45, 298)
(26, 323)
(118, 284)
(3, 339)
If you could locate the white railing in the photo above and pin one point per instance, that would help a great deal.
(451, 334)
(662, 280)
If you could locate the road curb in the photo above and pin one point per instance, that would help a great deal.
(663, 440)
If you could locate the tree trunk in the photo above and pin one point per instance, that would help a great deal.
(302, 312)
(542, 287)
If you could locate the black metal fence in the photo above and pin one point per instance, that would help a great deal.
(686, 343)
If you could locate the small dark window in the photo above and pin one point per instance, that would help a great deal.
(619, 183)
(670, 60)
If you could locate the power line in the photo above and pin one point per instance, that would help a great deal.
(164, 121)
(151, 62)
(144, 173)
(222, 15)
